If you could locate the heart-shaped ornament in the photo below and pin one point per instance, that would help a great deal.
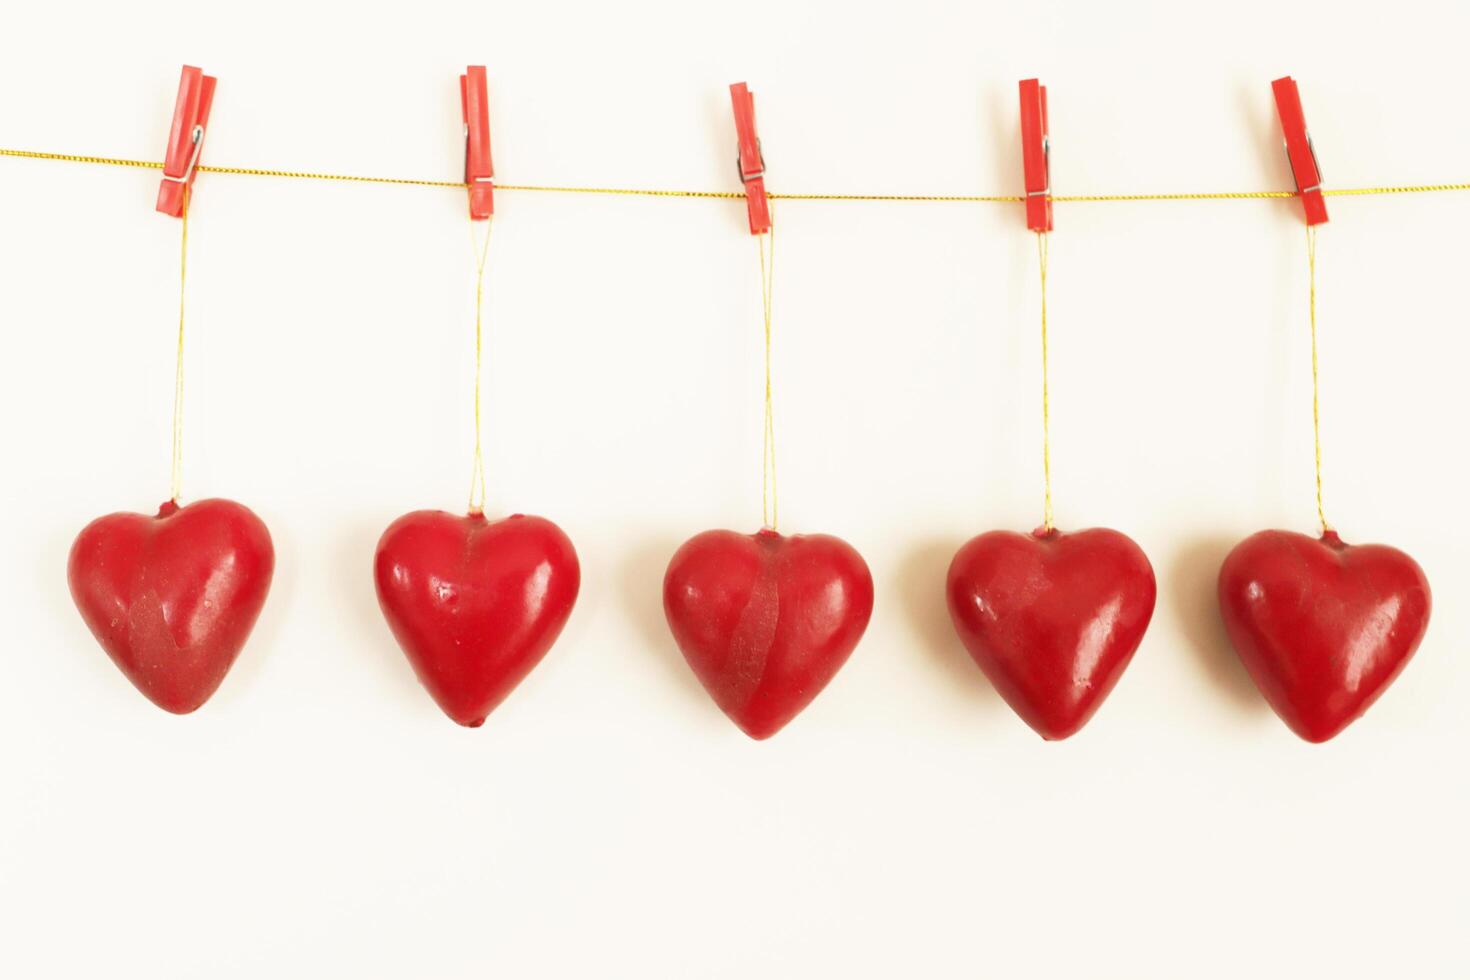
(1322, 627)
(765, 620)
(1052, 618)
(475, 604)
(172, 598)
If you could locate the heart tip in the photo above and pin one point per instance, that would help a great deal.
(178, 709)
(1059, 732)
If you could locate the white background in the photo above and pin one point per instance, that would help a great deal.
(321, 818)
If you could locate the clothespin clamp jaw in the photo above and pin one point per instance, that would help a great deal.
(751, 162)
(479, 171)
(1301, 153)
(1036, 155)
(185, 140)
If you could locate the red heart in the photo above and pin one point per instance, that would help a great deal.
(1051, 618)
(766, 621)
(173, 598)
(1323, 627)
(475, 604)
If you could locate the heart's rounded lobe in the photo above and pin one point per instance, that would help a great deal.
(1051, 618)
(172, 598)
(475, 604)
(1322, 627)
(764, 620)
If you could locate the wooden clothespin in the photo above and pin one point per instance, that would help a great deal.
(1300, 152)
(185, 139)
(752, 163)
(479, 172)
(1036, 155)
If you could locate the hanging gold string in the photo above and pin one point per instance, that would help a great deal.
(1316, 414)
(177, 475)
(1042, 244)
(740, 195)
(769, 507)
(480, 249)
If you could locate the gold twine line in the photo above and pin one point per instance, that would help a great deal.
(176, 478)
(770, 510)
(1042, 246)
(1316, 412)
(735, 195)
(480, 250)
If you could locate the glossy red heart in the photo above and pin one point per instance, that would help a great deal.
(1322, 627)
(766, 621)
(172, 598)
(1052, 618)
(474, 603)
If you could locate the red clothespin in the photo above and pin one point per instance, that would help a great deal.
(185, 139)
(752, 162)
(479, 172)
(1299, 150)
(1036, 155)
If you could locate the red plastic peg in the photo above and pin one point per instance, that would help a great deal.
(1299, 150)
(185, 139)
(479, 172)
(752, 162)
(1036, 155)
